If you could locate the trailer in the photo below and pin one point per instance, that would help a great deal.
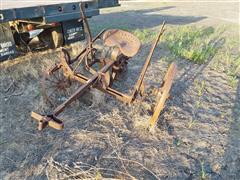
(46, 24)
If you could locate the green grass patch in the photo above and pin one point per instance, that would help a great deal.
(233, 81)
(234, 66)
(231, 66)
(195, 44)
(200, 86)
(145, 35)
(233, 72)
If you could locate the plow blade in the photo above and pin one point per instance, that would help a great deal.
(164, 90)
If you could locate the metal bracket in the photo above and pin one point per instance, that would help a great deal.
(44, 121)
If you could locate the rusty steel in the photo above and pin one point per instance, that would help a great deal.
(139, 85)
(125, 41)
(104, 62)
(163, 94)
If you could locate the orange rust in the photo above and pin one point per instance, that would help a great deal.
(121, 46)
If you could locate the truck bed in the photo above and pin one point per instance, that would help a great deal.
(50, 11)
(16, 4)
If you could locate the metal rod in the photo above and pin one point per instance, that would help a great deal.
(86, 25)
(85, 49)
(148, 60)
(118, 95)
(84, 18)
(85, 86)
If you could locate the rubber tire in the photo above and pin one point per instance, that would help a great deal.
(53, 37)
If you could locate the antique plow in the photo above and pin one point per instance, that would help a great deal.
(105, 57)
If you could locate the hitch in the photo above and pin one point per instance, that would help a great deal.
(48, 120)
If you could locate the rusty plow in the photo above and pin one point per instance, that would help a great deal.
(105, 57)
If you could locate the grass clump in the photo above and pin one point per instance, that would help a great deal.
(200, 87)
(234, 72)
(232, 68)
(145, 35)
(195, 44)
(203, 172)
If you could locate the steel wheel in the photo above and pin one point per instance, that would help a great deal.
(52, 37)
(55, 87)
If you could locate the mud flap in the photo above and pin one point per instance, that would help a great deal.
(7, 43)
(73, 31)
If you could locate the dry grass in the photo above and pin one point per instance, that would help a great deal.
(107, 139)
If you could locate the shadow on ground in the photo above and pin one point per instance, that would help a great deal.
(231, 167)
(139, 19)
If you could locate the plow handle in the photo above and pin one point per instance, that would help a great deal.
(148, 60)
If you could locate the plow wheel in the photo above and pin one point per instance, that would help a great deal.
(55, 87)
(163, 95)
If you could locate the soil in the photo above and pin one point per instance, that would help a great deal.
(197, 136)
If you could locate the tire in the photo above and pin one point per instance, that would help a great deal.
(53, 37)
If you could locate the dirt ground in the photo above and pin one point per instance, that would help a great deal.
(198, 134)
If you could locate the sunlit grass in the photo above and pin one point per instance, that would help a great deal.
(193, 43)
(145, 35)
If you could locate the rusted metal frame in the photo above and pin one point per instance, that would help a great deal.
(44, 121)
(127, 98)
(82, 79)
(52, 120)
(88, 49)
(85, 21)
(168, 80)
(88, 66)
(82, 89)
(58, 66)
(118, 95)
(83, 58)
(79, 62)
(94, 62)
(55, 68)
(84, 18)
(145, 67)
(85, 49)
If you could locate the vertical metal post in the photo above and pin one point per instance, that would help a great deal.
(143, 72)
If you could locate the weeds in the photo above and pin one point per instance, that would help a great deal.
(191, 124)
(146, 35)
(203, 172)
(234, 72)
(195, 44)
(232, 68)
(198, 104)
(200, 87)
(98, 175)
(233, 81)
